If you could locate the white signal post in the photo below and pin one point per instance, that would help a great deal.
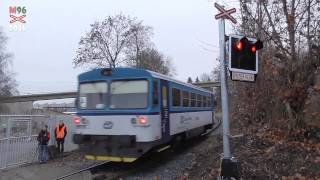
(228, 167)
(224, 92)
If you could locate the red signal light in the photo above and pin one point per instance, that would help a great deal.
(253, 49)
(239, 46)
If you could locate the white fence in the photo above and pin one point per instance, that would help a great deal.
(18, 140)
(18, 150)
(18, 137)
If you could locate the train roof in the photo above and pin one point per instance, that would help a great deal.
(131, 72)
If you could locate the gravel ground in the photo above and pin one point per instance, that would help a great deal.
(184, 161)
(167, 165)
(177, 163)
(174, 163)
(51, 170)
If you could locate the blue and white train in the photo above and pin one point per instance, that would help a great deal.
(123, 113)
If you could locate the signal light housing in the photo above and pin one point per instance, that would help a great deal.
(243, 54)
(258, 44)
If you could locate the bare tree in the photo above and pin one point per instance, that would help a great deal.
(290, 30)
(205, 77)
(197, 80)
(106, 43)
(7, 82)
(139, 42)
(215, 74)
(152, 59)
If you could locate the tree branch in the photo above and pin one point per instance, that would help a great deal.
(273, 27)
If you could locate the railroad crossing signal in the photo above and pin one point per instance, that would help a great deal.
(243, 57)
(225, 13)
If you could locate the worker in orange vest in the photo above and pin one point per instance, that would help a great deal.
(60, 133)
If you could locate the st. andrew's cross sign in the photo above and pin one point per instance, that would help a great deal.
(225, 13)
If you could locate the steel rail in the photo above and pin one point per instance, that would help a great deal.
(81, 170)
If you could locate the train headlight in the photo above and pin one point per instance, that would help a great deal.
(143, 121)
(77, 120)
(140, 121)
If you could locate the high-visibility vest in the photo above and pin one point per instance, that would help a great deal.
(60, 133)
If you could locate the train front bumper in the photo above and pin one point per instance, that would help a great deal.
(116, 148)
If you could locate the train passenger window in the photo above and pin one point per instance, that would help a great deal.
(199, 100)
(155, 92)
(185, 96)
(176, 97)
(193, 100)
(129, 94)
(204, 98)
(209, 101)
(93, 95)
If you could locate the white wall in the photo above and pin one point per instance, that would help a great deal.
(67, 119)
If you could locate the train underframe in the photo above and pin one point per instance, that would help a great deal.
(118, 148)
(124, 148)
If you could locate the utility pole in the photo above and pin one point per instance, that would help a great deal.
(229, 167)
(224, 93)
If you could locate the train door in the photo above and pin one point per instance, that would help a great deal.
(165, 128)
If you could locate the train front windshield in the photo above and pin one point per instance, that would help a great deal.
(124, 94)
(129, 94)
(93, 95)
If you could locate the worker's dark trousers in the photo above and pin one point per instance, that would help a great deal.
(60, 143)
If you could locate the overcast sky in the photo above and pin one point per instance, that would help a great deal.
(185, 30)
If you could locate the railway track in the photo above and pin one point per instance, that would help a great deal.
(83, 169)
(110, 170)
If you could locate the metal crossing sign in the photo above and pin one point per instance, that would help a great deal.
(225, 13)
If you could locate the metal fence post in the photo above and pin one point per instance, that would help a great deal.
(8, 142)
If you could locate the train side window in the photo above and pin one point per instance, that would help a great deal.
(176, 97)
(199, 99)
(209, 101)
(204, 98)
(155, 92)
(186, 99)
(193, 100)
(164, 97)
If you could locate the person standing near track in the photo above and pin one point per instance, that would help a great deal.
(60, 133)
(43, 139)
